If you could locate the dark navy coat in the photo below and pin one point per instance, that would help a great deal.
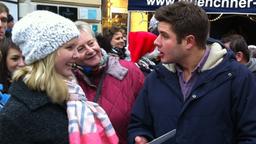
(221, 108)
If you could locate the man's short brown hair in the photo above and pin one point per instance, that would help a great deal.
(185, 19)
(3, 8)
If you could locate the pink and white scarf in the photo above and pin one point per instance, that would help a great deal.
(88, 122)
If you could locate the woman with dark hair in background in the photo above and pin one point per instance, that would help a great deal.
(11, 60)
(113, 42)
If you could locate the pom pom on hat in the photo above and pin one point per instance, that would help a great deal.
(40, 33)
(140, 43)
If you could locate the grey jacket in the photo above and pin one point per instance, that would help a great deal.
(251, 65)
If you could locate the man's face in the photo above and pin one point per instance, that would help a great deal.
(10, 24)
(170, 50)
(3, 24)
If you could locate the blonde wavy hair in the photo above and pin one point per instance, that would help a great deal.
(41, 76)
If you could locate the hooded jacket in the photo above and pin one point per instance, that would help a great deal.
(251, 65)
(220, 108)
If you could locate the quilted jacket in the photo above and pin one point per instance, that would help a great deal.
(117, 96)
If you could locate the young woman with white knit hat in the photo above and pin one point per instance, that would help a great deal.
(47, 106)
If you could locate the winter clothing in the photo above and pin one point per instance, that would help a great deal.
(3, 97)
(88, 122)
(251, 65)
(120, 52)
(153, 25)
(146, 65)
(252, 49)
(220, 108)
(30, 117)
(211, 40)
(140, 43)
(118, 93)
(40, 33)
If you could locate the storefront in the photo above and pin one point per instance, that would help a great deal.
(88, 11)
(226, 16)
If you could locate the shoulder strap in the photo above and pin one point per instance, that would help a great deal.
(99, 88)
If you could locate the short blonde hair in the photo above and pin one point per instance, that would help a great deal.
(41, 76)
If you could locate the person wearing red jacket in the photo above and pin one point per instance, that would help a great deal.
(113, 83)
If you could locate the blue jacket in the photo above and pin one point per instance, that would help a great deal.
(221, 108)
(3, 97)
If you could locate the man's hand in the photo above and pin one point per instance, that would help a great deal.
(140, 140)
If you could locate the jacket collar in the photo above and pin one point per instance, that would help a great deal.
(31, 98)
(220, 71)
(113, 68)
(215, 57)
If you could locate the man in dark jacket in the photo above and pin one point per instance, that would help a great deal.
(200, 90)
(240, 48)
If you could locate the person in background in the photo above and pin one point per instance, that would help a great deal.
(114, 43)
(200, 90)
(47, 106)
(10, 24)
(227, 39)
(242, 53)
(11, 60)
(143, 51)
(211, 40)
(252, 49)
(4, 11)
(153, 25)
(3, 97)
(113, 83)
(124, 32)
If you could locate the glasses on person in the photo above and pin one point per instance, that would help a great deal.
(3, 19)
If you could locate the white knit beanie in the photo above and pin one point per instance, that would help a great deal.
(40, 33)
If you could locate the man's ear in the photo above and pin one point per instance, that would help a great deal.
(239, 56)
(190, 41)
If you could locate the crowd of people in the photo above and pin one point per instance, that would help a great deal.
(63, 83)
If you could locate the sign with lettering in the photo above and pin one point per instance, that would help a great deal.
(210, 6)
